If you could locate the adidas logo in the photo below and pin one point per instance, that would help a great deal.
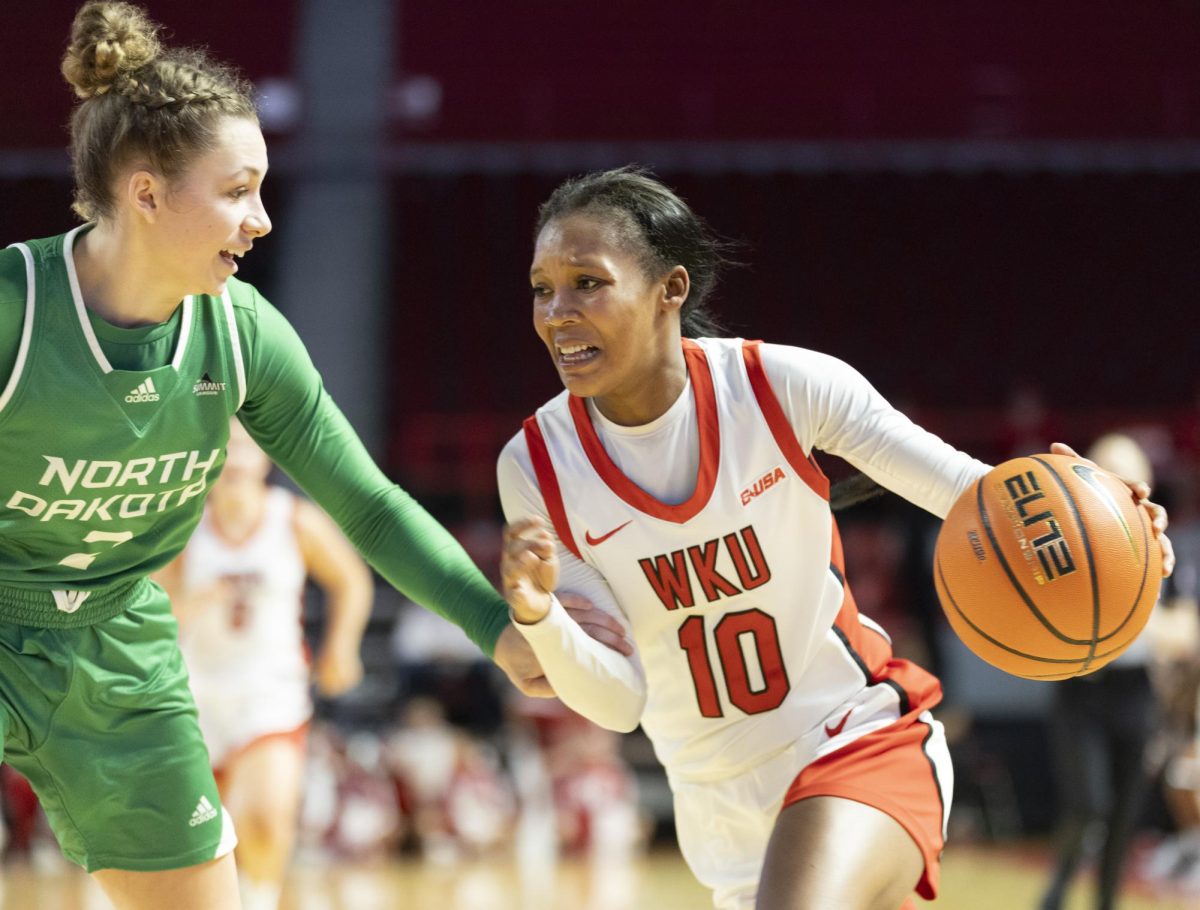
(204, 812)
(206, 385)
(144, 392)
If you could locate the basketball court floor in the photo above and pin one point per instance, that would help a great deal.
(974, 878)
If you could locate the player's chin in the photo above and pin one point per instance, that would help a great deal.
(581, 385)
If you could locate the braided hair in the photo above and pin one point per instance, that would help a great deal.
(140, 101)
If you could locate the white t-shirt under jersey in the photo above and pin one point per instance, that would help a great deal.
(730, 593)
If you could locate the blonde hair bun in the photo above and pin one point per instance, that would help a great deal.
(108, 40)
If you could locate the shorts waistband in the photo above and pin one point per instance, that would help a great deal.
(65, 609)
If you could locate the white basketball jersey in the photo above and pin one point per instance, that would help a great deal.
(257, 636)
(736, 597)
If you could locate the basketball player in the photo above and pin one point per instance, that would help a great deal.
(673, 482)
(1102, 725)
(237, 591)
(125, 346)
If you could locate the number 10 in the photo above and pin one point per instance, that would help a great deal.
(728, 633)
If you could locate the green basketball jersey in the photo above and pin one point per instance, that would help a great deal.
(104, 471)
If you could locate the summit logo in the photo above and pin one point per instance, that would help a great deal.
(206, 385)
(144, 392)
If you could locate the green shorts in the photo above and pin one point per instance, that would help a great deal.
(101, 720)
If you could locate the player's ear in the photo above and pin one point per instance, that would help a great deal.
(675, 285)
(144, 193)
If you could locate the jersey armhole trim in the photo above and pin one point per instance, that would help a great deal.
(26, 329)
(785, 437)
(548, 483)
(235, 342)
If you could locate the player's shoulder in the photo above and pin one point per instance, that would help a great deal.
(804, 362)
(733, 351)
(516, 450)
(545, 419)
(553, 409)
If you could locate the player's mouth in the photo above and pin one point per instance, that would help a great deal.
(230, 258)
(574, 355)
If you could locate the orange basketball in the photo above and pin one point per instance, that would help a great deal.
(1047, 567)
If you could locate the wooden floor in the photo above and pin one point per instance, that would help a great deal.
(973, 879)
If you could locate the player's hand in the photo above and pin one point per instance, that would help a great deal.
(528, 569)
(1141, 492)
(597, 623)
(514, 655)
(337, 671)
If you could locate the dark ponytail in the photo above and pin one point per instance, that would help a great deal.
(857, 488)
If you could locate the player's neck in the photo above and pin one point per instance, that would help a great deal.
(648, 395)
(119, 282)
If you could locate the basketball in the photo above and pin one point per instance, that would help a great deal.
(1047, 567)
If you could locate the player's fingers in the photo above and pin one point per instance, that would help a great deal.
(1061, 448)
(524, 557)
(524, 529)
(582, 610)
(593, 616)
(1158, 515)
(599, 624)
(1141, 489)
(524, 569)
(1168, 552)
(606, 636)
(573, 601)
(538, 543)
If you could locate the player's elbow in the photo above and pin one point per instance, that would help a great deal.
(625, 724)
(624, 714)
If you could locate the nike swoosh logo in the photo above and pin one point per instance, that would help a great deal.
(596, 541)
(1087, 474)
(831, 732)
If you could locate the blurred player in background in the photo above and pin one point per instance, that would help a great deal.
(126, 344)
(673, 483)
(1175, 629)
(237, 591)
(1101, 726)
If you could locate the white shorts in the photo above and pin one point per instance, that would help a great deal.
(723, 826)
(234, 714)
